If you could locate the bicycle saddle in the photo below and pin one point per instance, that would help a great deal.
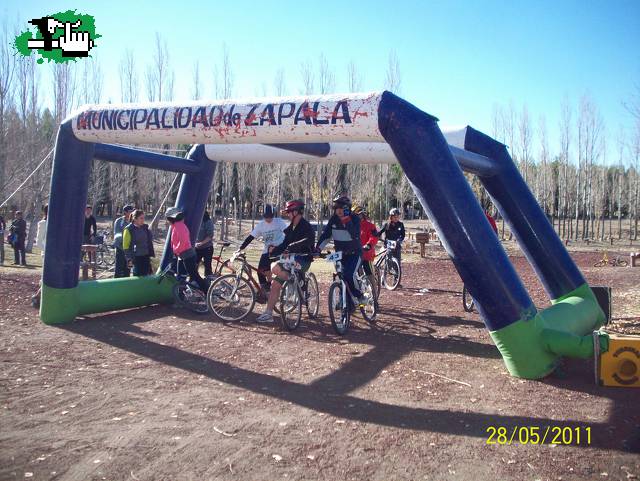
(223, 244)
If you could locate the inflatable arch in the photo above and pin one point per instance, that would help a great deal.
(366, 128)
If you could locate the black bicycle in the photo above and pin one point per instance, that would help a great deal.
(185, 293)
(388, 268)
(339, 294)
(105, 252)
(300, 289)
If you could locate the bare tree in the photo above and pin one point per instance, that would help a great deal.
(64, 86)
(326, 77)
(353, 77)
(129, 82)
(306, 72)
(159, 77)
(393, 79)
(196, 89)
(565, 144)
(525, 137)
(223, 78)
(544, 160)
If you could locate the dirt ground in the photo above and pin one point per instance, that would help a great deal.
(158, 393)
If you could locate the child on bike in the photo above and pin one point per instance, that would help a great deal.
(344, 228)
(180, 239)
(298, 240)
(368, 239)
(393, 230)
(271, 230)
(137, 244)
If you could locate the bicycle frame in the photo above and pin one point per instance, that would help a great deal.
(337, 262)
(221, 263)
(245, 270)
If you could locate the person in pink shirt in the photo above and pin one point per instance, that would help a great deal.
(182, 248)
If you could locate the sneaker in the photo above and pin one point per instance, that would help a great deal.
(266, 318)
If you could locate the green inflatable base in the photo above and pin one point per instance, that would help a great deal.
(531, 347)
(58, 306)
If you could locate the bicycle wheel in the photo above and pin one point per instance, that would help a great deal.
(617, 262)
(109, 256)
(231, 298)
(370, 308)
(312, 296)
(340, 317)
(600, 263)
(190, 298)
(467, 300)
(100, 261)
(290, 306)
(391, 273)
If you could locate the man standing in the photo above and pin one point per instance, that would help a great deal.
(204, 244)
(89, 226)
(271, 231)
(3, 226)
(19, 230)
(121, 268)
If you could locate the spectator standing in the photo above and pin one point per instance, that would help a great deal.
(41, 236)
(137, 243)
(18, 232)
(204, 244)
(90, 226)
(122, 267)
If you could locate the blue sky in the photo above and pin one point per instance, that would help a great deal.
(457, 59)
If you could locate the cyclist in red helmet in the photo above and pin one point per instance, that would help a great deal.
(299, 238)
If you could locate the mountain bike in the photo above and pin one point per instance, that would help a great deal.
(388, 267)
(232, 297)
(299, 289)
(617, 261)
(467, 301)
(185, 293)
(220, 262)
(340, 308)
(105, 253)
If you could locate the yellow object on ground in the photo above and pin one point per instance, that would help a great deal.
(620, 365)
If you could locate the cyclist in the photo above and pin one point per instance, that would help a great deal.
(271, 230)
(368, 239)
(182, 248)
(492, 221)
(344, 227)
(393, 230)
(298, 239)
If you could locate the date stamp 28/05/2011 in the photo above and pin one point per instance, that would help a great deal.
(562, 435)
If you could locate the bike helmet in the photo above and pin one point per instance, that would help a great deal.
(128, 208)
(394, 211)
(269, 211)
(174, 214)
(342, 201)
(294, 205)
(356, 209)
